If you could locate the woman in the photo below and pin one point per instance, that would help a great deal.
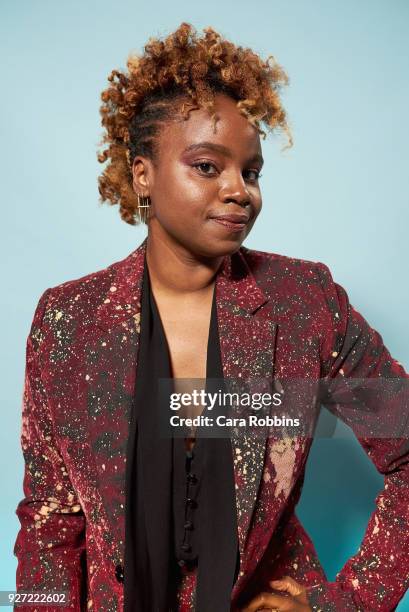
(182, 134)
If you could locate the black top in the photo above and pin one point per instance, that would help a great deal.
(180, 506)
(187, 480)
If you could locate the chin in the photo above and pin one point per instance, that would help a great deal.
(205, 246)
(219, 248)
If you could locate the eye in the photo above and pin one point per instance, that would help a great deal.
(204, 165)
(257, 175)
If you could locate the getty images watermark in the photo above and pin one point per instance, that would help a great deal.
(371, 407)
(210, 401)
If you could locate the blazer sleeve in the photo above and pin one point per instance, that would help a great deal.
(50, 545)
(357, 364)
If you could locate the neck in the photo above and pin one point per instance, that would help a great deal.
(172, 268)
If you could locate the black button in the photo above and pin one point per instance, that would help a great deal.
(192, 503)
(188, 525)
(192, 478)
(186, 547)
(119, 573)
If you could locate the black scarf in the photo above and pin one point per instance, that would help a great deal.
(150, 573)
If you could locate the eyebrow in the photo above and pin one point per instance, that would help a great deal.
(220, 149)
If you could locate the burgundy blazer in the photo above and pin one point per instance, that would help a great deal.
(278, 317)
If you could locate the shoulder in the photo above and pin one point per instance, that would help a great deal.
(299, 282)
(267, 265)
(88, 284)
(76, 299)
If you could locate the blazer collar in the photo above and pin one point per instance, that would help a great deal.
(122, 296)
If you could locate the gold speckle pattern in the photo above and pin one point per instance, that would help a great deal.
(279, 318)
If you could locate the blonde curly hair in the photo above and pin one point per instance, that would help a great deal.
(183, 67)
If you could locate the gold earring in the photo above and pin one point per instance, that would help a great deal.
(144, 204)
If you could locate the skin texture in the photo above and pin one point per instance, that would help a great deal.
(185, 246)
(295, 599)
(184, 195)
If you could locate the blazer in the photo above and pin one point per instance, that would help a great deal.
(278, 317)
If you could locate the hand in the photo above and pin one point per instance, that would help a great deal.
(294, 600)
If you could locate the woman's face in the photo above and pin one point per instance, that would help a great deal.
(201, 177)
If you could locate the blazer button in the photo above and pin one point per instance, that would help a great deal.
(119, 573)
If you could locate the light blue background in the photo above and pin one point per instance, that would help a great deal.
(339, 196)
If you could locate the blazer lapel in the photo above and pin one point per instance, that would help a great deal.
(247, 340)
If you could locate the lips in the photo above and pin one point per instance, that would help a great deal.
(232, 218)
(231, 222)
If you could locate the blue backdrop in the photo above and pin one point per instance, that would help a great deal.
(339, 196)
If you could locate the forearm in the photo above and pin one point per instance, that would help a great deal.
(369, 391)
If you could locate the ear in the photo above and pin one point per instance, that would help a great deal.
(142, 175)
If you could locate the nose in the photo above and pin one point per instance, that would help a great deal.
(235, 191)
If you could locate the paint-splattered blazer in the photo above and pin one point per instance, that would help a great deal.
(278, 317)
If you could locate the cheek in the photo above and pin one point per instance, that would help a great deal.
(178, 196)
(257, 206)
(257, 209)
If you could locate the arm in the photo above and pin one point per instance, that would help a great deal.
(50, 545)
(376, 578)
(297, 556)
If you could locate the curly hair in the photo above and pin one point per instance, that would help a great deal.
(190, 69)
